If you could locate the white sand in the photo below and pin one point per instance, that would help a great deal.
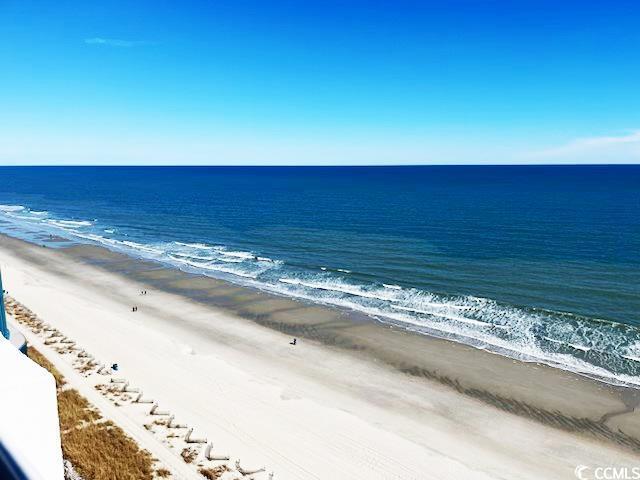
(304, 412)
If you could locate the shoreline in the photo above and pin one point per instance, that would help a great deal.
(359, 377)
(156, 274)
(534, 338)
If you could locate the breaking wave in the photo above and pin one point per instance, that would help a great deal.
(589, 346)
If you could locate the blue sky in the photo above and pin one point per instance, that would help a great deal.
(332, 82)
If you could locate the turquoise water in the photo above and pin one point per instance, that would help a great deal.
(540, 263)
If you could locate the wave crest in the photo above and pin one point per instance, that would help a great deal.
(589, 346)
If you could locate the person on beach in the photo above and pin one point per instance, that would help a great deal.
(293, 342)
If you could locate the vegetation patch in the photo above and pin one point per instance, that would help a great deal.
(102, 451)
(214, 473)
(40, 359)
(74, 410)
(189, 454)
(98, 449)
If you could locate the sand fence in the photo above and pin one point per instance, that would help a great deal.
(194, 450)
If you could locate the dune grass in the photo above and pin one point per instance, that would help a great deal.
(98, 449)
(40, 359)
(74, 410)
(102, 451)
(214, 473)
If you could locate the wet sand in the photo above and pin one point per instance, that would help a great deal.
(442, 401)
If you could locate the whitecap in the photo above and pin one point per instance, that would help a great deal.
(140, 246)
(187, 256)
(579, 347)
(11, 208)
(196, 245)
(442, 315)
(243, 255)
(339, 287)
(70, 223)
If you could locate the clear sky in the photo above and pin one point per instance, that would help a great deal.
(328, 82)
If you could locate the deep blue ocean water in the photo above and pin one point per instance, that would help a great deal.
(537, 262)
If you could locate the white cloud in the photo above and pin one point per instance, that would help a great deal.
(114, 42)
(616, 149)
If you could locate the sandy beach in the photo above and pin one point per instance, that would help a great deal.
(352, 400)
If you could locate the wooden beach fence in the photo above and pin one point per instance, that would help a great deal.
(245, 472)
(127, 388)
(140, 399)
(172, 424)
(154, 410)
(189, 439)
(209, 456)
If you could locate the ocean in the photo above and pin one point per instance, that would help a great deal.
(539, 263)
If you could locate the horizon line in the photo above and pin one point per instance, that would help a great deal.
(325, 165)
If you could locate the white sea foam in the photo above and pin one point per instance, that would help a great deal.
(187, 255)
(242, 255)
(579, 347)
(24, 217)
(140, 246)
(238, 273)
(200, 246)
(212, 267)
(70, 223)
(224, 259)
(209, 264)
(456, 318)
(192, 263)
(511, 330)
(337, 286)
(11, 208)
(477, 321)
